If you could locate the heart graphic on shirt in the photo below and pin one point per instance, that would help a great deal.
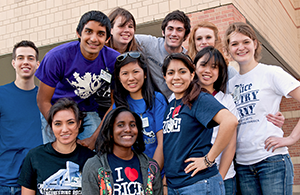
(131, 173)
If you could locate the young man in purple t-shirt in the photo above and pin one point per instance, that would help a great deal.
(78, 70)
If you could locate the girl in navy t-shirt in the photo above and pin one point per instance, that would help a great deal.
(188, 122)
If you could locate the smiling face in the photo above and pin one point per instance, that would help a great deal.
(25, 63)
(174, 36)
(242, 49)
(122, 34)
(132, 78)
(204, 37)
(92, 39)
(207, 73)
(65, 127)
(178, 77)
(125, 132)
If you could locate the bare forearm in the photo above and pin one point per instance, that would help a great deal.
(158, 154)
(44, 108)
(159, 157)
(44, 97)
(227, 128)
(277, 142)
(295, 135)
(227, 156)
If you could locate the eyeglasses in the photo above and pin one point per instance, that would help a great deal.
(133, 54)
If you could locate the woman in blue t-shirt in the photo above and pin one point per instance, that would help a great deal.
(188, 122)
(134, 89)
(120, 166)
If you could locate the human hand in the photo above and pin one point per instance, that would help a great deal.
(197, 164)
(277, 119)
(87, 142)
(277, 142)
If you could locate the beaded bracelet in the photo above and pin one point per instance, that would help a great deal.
(207, 162)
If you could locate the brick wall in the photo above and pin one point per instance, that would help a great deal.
(291, 110)
(222, 17)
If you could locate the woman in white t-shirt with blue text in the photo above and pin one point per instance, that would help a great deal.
(263, 163)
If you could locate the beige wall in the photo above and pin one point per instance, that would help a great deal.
(278, 22)
(49, 22)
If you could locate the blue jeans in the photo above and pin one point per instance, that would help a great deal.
(230, 186)
(271, 176)
(90, 124)
(5, 190)
(213, 185)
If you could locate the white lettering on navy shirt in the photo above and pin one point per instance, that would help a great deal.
(127, 188)
(171, 124)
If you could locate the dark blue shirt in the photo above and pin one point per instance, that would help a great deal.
(126, 174)
(188, 135)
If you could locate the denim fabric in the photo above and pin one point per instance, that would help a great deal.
(90, 124)
(230, 186)
(213, 186)
(271, 176)
(5, 190)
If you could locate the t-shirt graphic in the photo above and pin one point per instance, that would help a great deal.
(85, 85)
(171, 123)
(64, 181)
(246, 97)
(127, 175)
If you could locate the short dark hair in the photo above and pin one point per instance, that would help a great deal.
(25, 43)
(179, 16)
(97, 16)
(105, 141)
(194, 89)
(65, 104)
(218, 59)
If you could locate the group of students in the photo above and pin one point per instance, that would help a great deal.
(188, 128)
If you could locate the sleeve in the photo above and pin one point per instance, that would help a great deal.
(230, 105)
(160, 109)
(50, 70)
(28, 177)
(283, 82)
(147, 42)
(157, 181)
(206, 108)
(231, 72)
(90, 178)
